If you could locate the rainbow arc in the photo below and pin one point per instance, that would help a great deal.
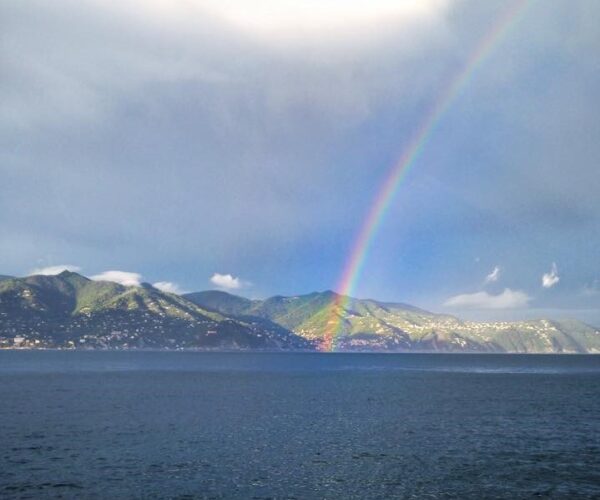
(420, 139)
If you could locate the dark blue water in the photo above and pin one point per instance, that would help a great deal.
(208, 425)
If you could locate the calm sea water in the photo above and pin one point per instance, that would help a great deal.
(241, 425)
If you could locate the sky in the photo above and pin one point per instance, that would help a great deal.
(239, 145)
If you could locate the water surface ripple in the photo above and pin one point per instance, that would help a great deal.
(274, 425)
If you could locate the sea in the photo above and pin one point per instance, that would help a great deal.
(184, 425)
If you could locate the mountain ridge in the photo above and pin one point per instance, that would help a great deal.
(69, 310)
(368, 324)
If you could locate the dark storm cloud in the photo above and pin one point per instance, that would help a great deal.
(174, 143)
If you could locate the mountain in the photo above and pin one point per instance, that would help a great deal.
(4, 277)
(69, 310)
(223, 302)
(374, 325)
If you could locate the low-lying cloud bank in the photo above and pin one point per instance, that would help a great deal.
(124, 278)
(228, 281)
(508, 299)
(127, 278)
(54, 270)
(169, 287)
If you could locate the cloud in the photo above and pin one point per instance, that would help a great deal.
(168, 286)
(228, 281)
(259, 114)
(288, 17)
(139, 37)
(259, 131)
(122, 277)
(52, 270)
(552, 278)
(508, 299)
(493, 276)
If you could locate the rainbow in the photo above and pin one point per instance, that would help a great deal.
(420, 138)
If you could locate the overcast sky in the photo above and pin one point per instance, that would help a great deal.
(238, 144)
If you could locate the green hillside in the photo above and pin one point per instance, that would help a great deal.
(69, 310)
(374, 325)
(72, 311)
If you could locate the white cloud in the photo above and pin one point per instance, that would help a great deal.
(228, 281)
(168, 286)
(53, 270)
(286, 17)
(493, 276)
(508, 299)
(552, 278)
(122, 277)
